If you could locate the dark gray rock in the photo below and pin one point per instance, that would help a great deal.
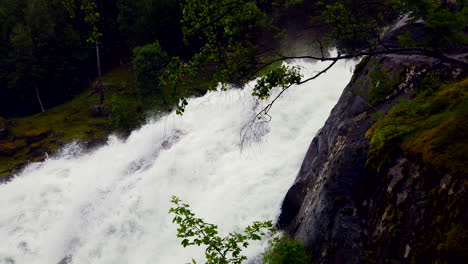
(66, 260)
(330, 207)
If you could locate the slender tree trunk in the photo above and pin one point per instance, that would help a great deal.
(39, 98)
(100, 86)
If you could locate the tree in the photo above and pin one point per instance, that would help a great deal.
(143, 21)
(91, 18)
(283, 250)
(25, 73)
(59, 63)
(219, 250)
(149, 61)
(228, 29)
(42, 24)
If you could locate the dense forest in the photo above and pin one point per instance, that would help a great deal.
(47, 58)
(44, 51)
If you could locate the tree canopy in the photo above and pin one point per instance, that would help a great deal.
(46, 51)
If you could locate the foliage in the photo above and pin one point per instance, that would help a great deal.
(143, 21)
(219, 250)
(90, 16)
(226, 30)
(226, 41)
(149, 61)
(283, 250)
(357, 25)
(384, 82)
(124, 114)
(39, 46)
(432, 126)
(44, 42)
(281, 77)
(444, 22)
(73, 120)
(175, 78)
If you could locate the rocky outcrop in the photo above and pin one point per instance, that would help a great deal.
(346, 212)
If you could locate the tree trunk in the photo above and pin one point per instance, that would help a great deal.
(39, 98)
(100, 86)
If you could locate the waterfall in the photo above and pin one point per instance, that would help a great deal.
(110, 205)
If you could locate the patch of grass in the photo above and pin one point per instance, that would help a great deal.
(71, 121)
(284, 250)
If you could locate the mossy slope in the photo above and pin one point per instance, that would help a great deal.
(433, 125)
(29, 138)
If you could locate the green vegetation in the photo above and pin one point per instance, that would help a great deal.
(59, 125)
(228, 28)
(30, 137)
(219, 250)
(445, 239)
(47, 49)
(283, 250)
(47, 43)
(149, 61)
(384, 82)
(228, 249)
(432, 125)
(443, 27)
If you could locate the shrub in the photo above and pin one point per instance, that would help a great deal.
(218, 250)
(283, 250)
(149, 61)
(125, 114)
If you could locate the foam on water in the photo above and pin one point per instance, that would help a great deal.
(110, 205)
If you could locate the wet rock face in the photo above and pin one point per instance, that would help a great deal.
(337, 204)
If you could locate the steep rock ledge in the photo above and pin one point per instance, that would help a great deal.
(346, 212)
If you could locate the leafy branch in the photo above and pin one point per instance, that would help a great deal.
(219, 250)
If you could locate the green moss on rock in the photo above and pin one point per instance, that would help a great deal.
(433, 125)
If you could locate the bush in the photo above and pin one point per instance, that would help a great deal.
(283, 250)
(125, 114)
(218, 250)
(149, 61)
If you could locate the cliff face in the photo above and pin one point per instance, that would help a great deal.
(364, 199)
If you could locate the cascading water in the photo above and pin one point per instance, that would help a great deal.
(111, 205)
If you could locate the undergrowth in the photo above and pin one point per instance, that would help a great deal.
(433, 126)
(284, 250)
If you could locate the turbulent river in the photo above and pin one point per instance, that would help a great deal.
(110, 205)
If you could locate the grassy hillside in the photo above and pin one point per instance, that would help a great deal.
(29, 138)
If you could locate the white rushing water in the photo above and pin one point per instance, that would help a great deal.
(110, 205)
